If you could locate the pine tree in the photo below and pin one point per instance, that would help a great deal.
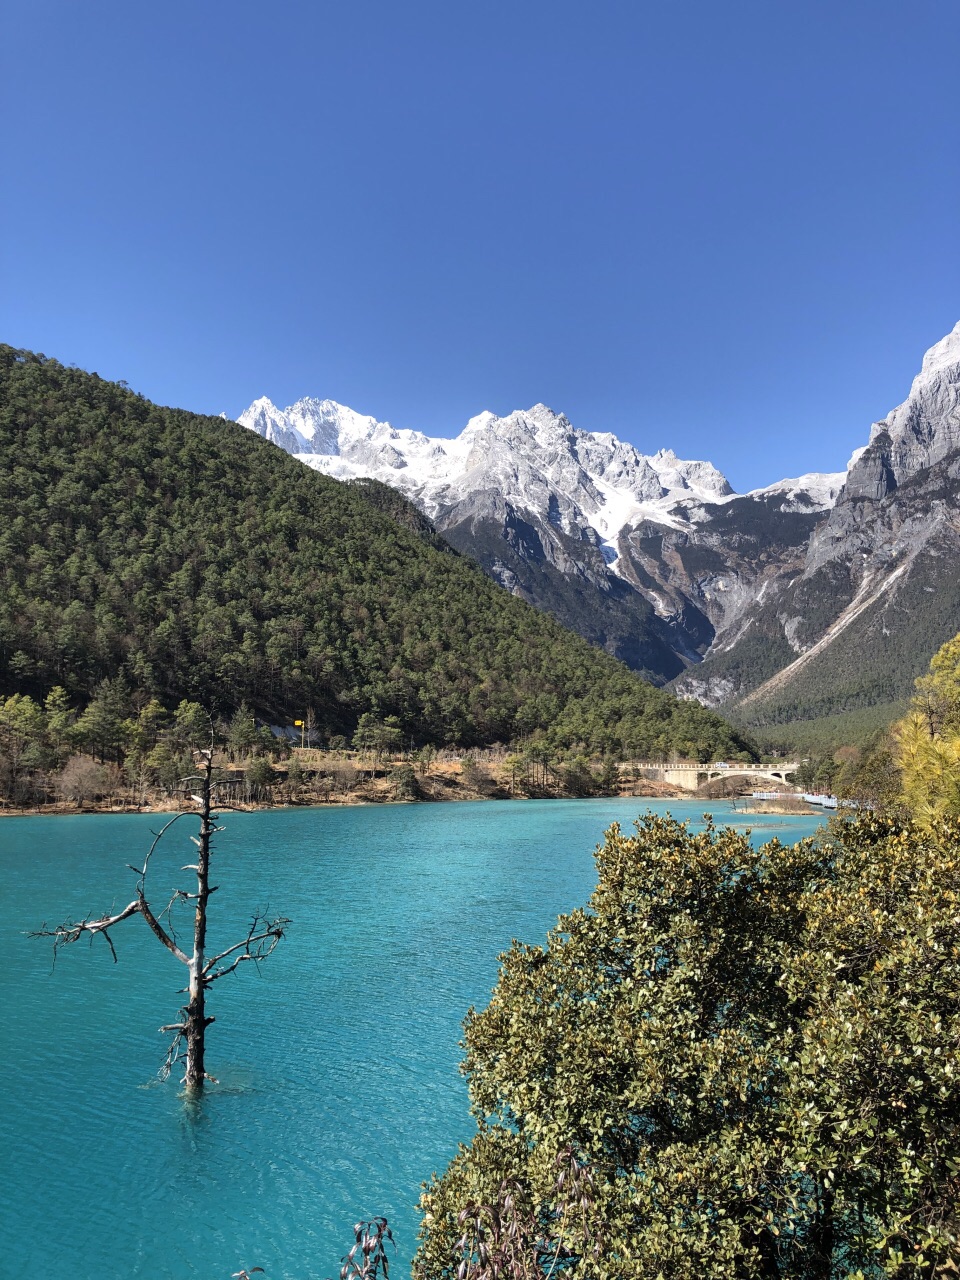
(60, 722)
(99, 728)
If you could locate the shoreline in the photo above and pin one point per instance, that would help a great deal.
(315, 779)
(799, 810)
(350, 802)
(62, 810)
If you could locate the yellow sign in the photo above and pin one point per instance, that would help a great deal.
(298, 723)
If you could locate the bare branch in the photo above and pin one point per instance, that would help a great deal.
(175, 1050)
(158, 929)
(178, 895)
(259, 918)
(157, 837)
(72, 930)
(144, 907)
(260, 941)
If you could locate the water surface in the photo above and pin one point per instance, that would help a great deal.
(338, 1063)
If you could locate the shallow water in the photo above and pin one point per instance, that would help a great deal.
(339, 1086)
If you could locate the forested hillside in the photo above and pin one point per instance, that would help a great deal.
(193, 560)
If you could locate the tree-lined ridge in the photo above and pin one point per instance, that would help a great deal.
(192, 560)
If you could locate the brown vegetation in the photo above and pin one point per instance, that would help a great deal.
(311, 776)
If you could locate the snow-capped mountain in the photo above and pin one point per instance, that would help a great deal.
(656, 558)
(561, 516)
(535, 459)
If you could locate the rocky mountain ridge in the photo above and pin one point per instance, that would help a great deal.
(535, 459)
(562, 517)
(877, 589)
(657, 560)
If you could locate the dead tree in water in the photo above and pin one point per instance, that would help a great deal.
(189, 1032)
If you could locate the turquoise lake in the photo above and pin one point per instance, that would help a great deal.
(339, 1089)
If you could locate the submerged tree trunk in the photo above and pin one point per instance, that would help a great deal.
(262, 936)
(196, 1021)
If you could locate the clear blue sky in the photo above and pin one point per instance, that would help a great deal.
(730, 228)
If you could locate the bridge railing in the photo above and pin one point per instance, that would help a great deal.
(788, 766)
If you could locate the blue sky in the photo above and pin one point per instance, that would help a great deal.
(726, 228)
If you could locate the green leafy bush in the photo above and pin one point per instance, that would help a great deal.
(752, 1052)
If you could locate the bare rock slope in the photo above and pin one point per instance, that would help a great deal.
(877, 589)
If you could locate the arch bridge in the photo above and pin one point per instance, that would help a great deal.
(690, 775)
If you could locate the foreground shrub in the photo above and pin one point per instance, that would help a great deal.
(753, 1055)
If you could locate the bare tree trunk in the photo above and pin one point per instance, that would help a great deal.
(262, 935)
(196, 1021)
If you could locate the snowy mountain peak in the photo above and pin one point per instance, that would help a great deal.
(479, 422)
(701, 479)
(533, 459)
(920, 432)
(536, 463)
(815, 491)
(942, 355)
(273, 424)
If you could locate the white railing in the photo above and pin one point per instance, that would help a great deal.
(788, 766)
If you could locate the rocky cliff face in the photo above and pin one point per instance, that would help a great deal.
(925, 429)
(877, 588)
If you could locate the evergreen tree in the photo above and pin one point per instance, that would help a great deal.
(100, 727)
(242, 733)
(191, 723)
(378, 737)
(61, 719)
(22, 743)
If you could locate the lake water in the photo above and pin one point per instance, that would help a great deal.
(338, 1065)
